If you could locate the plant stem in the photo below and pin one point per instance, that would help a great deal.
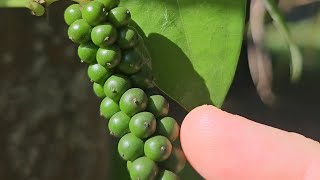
(280, 24)
(25, 3)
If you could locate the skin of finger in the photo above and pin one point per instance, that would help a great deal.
(220, 145)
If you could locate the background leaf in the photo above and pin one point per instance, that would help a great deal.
(13, 3)
(194, 45)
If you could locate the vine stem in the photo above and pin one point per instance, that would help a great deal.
(37, 7)
(279, 22)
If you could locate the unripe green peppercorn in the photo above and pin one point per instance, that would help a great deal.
(167, 175)
(133, 101)
(143, 124)
(109, 57)
(87, 52)
(130, 147)
(168, 127)
(144, 168)
(129, 165)
(72, 13)
(127, 37)
(158, 105)
(79, 31)
(108, 108)
(98, 73)
(104, 35)
(116, 85)
(109, 4)
(119, 16)
(157, 148)
(98, 90)
(131, 62)
(176, 161)
(119, 124)
(94, 13)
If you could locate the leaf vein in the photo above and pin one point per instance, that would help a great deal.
(184, 30)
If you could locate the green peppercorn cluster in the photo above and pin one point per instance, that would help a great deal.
(109, 45)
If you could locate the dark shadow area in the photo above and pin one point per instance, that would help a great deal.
(297, 107)
(175, 74)
(303, 12)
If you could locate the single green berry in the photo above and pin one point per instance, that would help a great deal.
(119, 16)
(129, 165)
(144, 168)
(72, 13)
(109, 57)
(94, 13)
(119, 124)
(157, 148)
(158, 105)
(79, 31)
(98, 73)
(127, 37)
(87, 52)
(176, 161)
(143, 124)
(131, 63)
(108, 108)
(36, 8)
(168, 127)
(109, 4)
(133, 101)
(98, 90)
(130, 147)
(143, 78)
(116, 85)
(104, 35)
(167, 175)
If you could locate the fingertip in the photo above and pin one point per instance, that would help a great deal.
(220, 145)
(312, 172)
(196, 131)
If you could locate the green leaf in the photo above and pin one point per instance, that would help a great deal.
(194, 45)
(13, 3)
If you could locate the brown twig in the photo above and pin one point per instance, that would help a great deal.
(259, 62)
